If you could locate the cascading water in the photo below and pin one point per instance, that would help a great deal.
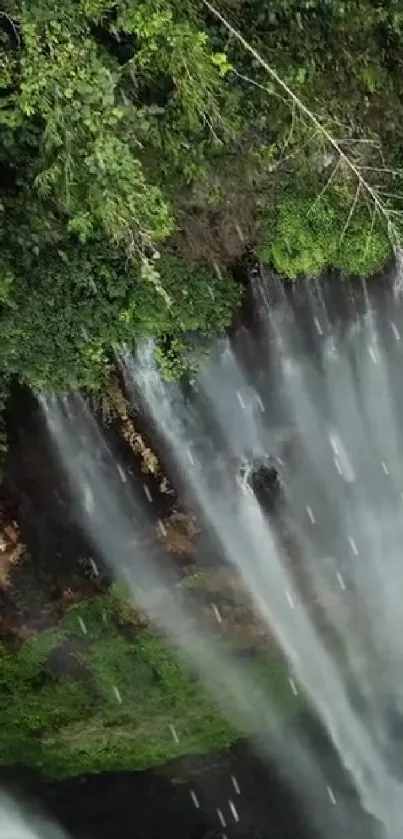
(18, 823)
(343, 489)
(115, 519)
(323, 413)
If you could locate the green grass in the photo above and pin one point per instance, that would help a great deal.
(68, 725)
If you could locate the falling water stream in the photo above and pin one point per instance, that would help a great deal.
(115, 518)
(323, 406)
(22, 823)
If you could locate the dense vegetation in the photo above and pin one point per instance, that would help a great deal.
(59, 708)
(140, 144)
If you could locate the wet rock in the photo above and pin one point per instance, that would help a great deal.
(262, 475)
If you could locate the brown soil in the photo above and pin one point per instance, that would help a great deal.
(11, 548)
(224, 605)
(177, 532)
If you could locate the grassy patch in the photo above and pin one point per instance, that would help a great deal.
(310, 232)
(71, 724)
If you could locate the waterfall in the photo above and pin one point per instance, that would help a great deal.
(322, 408)
(115, 520)
(343, 488)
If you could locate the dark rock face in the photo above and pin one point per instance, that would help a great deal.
(157, 804)
(265, 483)
(262, 475)
(236, 787)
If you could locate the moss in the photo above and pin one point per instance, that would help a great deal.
(68, 726)
(311, 233)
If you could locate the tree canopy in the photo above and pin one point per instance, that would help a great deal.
(141, 148)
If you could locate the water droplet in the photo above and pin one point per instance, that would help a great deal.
(233, 810)
(289, 599)
(93, 566)
(235, 785)
(353, 546)
(82, 626)
(162, 528)
(334, 442)
(240, 400)
(260, 403)
(218, 271)
(372, 355)
(122, 473)
(341, 581)
(293, 686)
(117, 694)
(395, 331)
(194, 799)
(174, 733)
(216, 612)
(310, 514)
(331, 795)
(240, 232)
(341, 458)
(221, 817)
(385, 468)
(147, 493)
(337, 465)
(318, 326)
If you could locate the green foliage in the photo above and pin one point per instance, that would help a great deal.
(311, 233)
(68, 725)
(92, 164)
(136, 135)
(33, 701)
(88, 299)
(178, 359)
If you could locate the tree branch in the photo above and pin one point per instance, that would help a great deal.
(364, 185)
(13, 27)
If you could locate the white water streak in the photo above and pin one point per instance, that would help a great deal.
(17, 822)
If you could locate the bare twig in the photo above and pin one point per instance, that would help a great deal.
(350, 215)
(326, 186)
(352, 140)
(394, 172)
(13, 26)
(291, 131)
(257, 84)
(369, 234)
(395, 195)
